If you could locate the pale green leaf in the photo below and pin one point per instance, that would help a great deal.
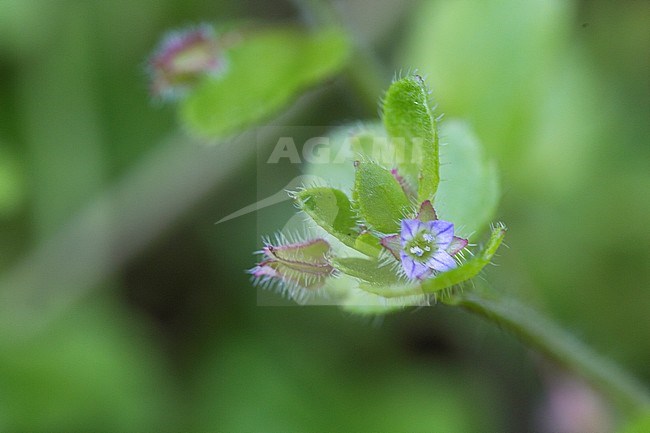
(347, 144)
(368, 244)
(330, 209)
(367, 270)
(409, 122)
(469, 194)
(265, 72)
(640, 424)
(380, 198)
(362, 302)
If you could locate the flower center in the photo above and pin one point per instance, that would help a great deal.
(421, 246)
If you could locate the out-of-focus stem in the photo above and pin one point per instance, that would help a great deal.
(119, 223)
(540, 333)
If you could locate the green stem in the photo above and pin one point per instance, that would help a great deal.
(540, 333)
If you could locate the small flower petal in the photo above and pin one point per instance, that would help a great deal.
(441, 261)
(443, 231)
(410, 228)
(414, 269)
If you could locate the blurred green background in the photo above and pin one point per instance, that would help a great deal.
(123, 308)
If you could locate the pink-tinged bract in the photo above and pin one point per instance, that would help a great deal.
(183, 58)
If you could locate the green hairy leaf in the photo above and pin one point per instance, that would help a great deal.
(409, 122)
(330, 209)
(380, 198)
(368, 244)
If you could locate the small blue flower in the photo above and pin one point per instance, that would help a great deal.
(425, 245)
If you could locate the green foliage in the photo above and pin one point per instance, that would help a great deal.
(243, 394)
(368, 244)
(11, 187)
(640, 424)
(559, 99)
(409, 123)
(87, 368)
(469, 194)
(266, 71)
(353, 142)
(367, 270)
(380, 198)
(330, 209)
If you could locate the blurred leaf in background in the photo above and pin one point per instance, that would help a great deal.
(255, 85)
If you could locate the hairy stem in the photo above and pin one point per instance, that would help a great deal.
(540, 333)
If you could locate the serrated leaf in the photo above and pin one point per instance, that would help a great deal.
(409, 122)
(469, 194)
(380, 198)
(331, 209)
(266, 71)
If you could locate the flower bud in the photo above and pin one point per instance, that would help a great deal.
(296, 266)
(182, 59)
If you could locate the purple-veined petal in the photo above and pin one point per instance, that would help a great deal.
(427, 212)
(456, 245)
(441, 261)
(392, 243)
(409, 229)
(414, 269)
(443, 231)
